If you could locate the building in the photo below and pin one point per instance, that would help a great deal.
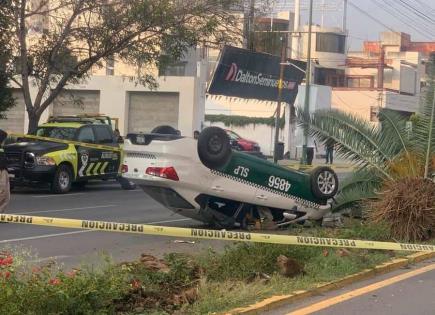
(111, 89)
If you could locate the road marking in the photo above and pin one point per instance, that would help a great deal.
(30, 238)
(361, 291)
(42, 236)
(59, 195)
(64, 210)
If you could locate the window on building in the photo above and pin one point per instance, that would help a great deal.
(360, 81)
(177, 69)
(330, 42)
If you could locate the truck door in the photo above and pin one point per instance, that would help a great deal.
(110, 159)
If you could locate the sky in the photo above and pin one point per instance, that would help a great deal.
(399, 15)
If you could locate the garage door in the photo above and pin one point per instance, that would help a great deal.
(14, 121)
(151, 109)
(76, 102)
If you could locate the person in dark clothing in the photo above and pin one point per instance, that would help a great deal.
(310, 155)
(196, 134)
(5, 195)
(329, 148)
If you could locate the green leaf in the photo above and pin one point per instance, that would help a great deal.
(355, 139)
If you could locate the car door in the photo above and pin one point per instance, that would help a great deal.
(87, 155)
(109, 159)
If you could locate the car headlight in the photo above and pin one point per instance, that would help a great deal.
(45, 160)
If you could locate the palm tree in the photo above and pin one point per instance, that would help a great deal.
(389, 158)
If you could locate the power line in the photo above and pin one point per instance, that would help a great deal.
(425, 6)
(417, 12)
(372, 17)
(403, 17)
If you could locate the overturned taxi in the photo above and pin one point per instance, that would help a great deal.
(206, 180)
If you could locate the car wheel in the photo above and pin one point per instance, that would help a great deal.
(126, 184)
(214, 147)
(62, 180)
(324, 182)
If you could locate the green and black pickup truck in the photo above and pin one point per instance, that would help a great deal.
(64, 151)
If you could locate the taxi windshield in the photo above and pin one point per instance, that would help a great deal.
(63, 133)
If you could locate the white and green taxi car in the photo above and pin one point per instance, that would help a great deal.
(205, 180)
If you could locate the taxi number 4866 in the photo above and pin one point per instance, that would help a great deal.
(279, 183)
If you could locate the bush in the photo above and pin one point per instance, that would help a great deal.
(407, 207)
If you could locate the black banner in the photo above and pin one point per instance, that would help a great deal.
(247, 74)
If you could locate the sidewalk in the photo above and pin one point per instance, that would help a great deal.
(339, 164)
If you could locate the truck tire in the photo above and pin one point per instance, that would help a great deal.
(62, 179)
(214, 147)
(324, 182)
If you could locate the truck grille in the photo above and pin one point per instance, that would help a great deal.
(14, 158)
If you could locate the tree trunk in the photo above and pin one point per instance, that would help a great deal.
(33, 122)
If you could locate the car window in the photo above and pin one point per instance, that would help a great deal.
(103, 134)
(56, 132)
(86, 134)
(233, 135)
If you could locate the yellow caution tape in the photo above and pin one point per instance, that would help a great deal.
(82, 144)
(211, 234)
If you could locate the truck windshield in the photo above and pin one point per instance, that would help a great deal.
(56, 132)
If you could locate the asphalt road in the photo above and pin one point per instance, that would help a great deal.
(388, 294)
(99, 201)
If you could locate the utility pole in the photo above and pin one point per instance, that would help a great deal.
(344, 22)
(295, 36)
(278, 108)
(307, 83)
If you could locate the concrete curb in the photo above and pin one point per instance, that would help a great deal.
(279, 300)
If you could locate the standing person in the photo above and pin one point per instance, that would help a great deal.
(310, 150)
(196, 134)
(329, 148)
(5, 195)
(117, 135)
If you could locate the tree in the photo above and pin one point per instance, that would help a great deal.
(57, 42)
(6, 99)
(396, 167)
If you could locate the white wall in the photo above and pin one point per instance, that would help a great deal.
(114, 99)
(320, 98)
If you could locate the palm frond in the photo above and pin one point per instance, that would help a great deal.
(361, 185)
(355, 138)
(393, 126)
(424, 131)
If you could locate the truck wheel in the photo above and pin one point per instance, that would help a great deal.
(62, 180)
(324, 182)
(214, 147)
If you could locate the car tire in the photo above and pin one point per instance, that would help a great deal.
(324, 182)
(214, 147)
(126, 184)
(62, 179)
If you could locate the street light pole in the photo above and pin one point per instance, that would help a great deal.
(307, 83)
(278, 108)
